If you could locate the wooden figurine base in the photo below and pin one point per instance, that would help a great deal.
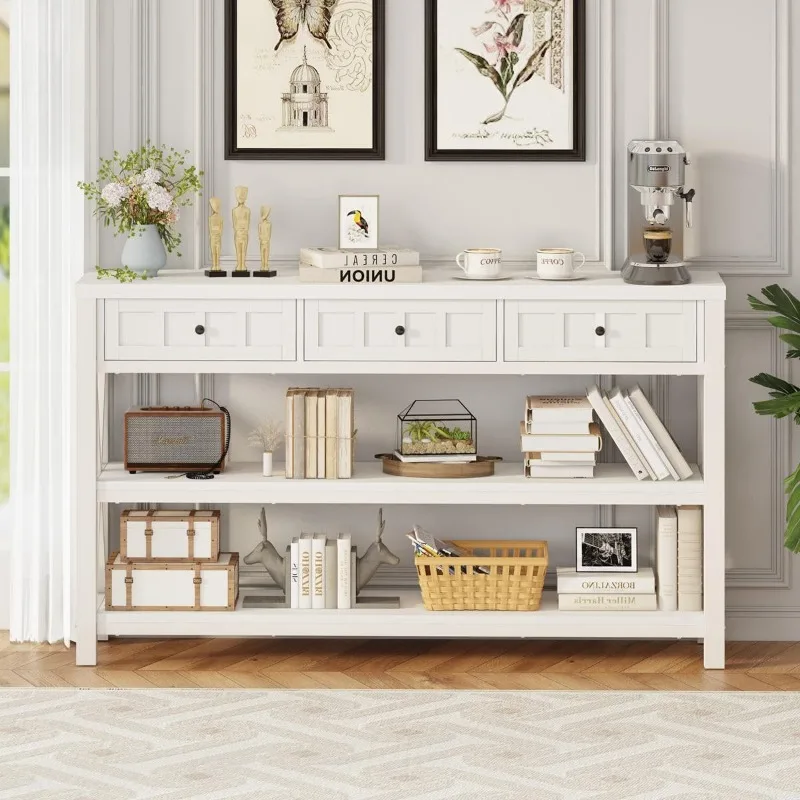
(240, 273)
(216, 273)
(272, 273)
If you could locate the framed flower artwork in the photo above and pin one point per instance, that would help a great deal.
(522, 65)
(358, 222)
(304, 79)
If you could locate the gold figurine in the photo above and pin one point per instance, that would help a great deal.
(216, 225)
(241, 232)
(264, 241)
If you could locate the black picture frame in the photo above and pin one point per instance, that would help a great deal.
(592, 536)
(375, 153)
(576, 153)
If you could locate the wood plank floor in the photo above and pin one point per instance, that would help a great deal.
(403, 664)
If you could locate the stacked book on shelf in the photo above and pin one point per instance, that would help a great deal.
(559, 438)
(680, 558)
(606, 591)
(384, 265)
(320, 433)
(322, 572)
(639, 434)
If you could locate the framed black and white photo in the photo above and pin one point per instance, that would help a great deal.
(304, 79)
(607, 550)
(358, 222)
(521, 64)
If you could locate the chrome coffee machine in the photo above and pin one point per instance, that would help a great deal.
(657, 208)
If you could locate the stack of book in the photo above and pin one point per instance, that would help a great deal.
(639, 434)
(606, 591)
(559, 438)
(320, 433)
(322, 572)
(385, 265)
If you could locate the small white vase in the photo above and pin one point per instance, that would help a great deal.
(267, 465)
(144, 252)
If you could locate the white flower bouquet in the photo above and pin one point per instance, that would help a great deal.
(147, 187)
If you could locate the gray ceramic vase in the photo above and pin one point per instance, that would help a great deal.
(144, 251)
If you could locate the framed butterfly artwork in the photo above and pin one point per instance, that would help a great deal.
(522, 64)
(304, 79)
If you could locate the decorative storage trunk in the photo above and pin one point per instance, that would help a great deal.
(493, 576)
(169, 535)
(165, 586)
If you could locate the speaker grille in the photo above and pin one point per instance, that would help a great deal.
(174, 439)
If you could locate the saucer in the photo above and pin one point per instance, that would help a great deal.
(570, 278)
(499, 277)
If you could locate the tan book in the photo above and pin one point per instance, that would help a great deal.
(558, 409)
(345, 449)
(591, 442)
(289, 428)
(331, 429)
(311, 432)
(321, 433)
(298, 433)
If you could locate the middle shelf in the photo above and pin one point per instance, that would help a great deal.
(613, 484)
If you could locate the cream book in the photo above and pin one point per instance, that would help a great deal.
(536, 468)
(650, 438)
(331, 574)
(331, 428)
(588, 443)
(321, 433)
(346, 433)
(294, 573)
(304, 549)
(637, 434)
(343, 575)
(634, 447)
(360, 275)
(667, 558)
(570, 581)
(690, 558)
(311, 433)
(558, 409)
(571, 428)
(318, 571)
(607, 602)
(333, 258)
(299, 433)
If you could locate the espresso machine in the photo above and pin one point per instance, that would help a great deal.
(659, 207)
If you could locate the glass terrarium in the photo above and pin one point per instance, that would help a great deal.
(437, 428)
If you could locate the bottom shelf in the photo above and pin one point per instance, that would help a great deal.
(409, 621)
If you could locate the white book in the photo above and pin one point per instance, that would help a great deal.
(690, 558)
(318, 571)
(353, 574)
(660, 433)
(289, 427)
(331, 574)
(305, 571)
(625, 435)
(311, 433)
(294, 573)
(536, 469)
(343, 577)
(650, 438)
(333, 258)
(539, 443)
(299, 433)
(560, 458)
(570, 581)
(331, 428)
(436, 459)
(352, 276)
(345, 434)
(570, 428)
(607, 602)
(667, 558)
(321, 433)
(637, 434)
(558, 409)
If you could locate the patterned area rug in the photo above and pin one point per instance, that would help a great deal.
(225, 745)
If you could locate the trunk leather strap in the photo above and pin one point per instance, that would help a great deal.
(190, 532)
(128, 585)
(148, 542)
(198, 582)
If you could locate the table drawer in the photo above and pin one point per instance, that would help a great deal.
(399, 330)
(200, 330)
(587, 330)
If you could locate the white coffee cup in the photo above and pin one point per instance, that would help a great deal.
(481, 262)
(558, 263)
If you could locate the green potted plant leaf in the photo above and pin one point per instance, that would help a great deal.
(784, 310)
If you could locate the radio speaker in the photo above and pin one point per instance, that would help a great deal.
(174, 440)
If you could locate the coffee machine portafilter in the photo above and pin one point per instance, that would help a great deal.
(659, 207)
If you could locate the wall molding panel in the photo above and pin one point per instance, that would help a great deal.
(778, 575)
(778, 260)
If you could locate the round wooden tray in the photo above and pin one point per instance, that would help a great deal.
(481, 468)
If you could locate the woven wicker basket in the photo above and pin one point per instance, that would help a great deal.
(514, 580)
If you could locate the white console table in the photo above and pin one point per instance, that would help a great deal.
(597, 326)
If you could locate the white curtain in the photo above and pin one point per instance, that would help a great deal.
(48, 235)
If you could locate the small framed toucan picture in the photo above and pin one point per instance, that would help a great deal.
(358, 222)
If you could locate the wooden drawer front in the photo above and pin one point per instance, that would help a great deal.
(231, 330)
(397, 330)
(573, 331)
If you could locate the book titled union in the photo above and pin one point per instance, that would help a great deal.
(358, 275)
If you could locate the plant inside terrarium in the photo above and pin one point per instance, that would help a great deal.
(453, 433)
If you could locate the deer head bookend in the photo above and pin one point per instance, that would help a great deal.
(265, 553)
(377, 553)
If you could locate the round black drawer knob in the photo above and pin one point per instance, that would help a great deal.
(600, 331)
(199, 330)
(400, 330)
